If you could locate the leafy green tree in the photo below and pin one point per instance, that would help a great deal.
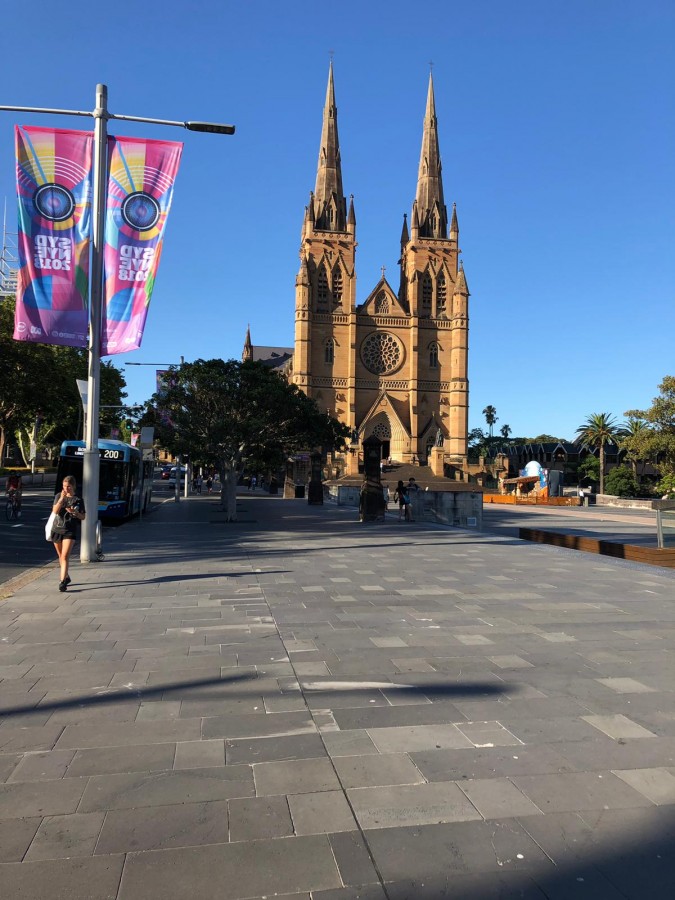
(589, 469)
(621, 482)
(634, 430)
(225, 413)
(656, 442)
(598, 430)
(491, 417)
(39, 381)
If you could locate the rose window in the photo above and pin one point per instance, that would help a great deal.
(381, 353)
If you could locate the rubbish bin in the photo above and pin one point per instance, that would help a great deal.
(274, 487)
(299, 492)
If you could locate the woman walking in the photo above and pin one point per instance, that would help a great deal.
(69, 506)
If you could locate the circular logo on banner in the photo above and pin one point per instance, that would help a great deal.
(54, 202)
(140, 211)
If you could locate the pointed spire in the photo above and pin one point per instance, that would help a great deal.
(454, 224)
(248, 346)
(461, 286)
(405, 237)
(351, 217)
(415, 224)
(330, 205)
(433, 216)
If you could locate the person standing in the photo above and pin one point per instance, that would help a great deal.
(71, 507)
(403, 501)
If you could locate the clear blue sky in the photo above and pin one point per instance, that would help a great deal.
(557, 127)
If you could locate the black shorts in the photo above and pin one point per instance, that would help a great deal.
(69, 534)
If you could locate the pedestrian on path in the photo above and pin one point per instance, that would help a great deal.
(209, 484)
(403, 501)
(72, 509)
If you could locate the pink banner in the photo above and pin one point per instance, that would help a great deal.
(140, 190)
(53, 169)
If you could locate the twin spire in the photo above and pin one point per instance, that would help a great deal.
(429, 207)
(328, 207)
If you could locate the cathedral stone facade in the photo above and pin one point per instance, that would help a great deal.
(394, 365)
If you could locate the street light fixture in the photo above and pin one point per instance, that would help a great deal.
(101, 116)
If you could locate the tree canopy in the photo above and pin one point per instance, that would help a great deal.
(227, 413)
(39, 380)
(656, 441)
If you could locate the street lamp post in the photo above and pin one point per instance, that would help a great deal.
(101, 116)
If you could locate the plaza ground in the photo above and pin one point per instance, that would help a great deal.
(297, 705)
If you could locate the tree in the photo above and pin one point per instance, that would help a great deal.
(656, 442)
(621, 482)
(598, 430)
(491, 417)
(505, 431)
(589, 469)
(634, 431)
(225, 413)
(40, 380)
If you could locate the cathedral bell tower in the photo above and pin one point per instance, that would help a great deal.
(325, 287)
(433, 287)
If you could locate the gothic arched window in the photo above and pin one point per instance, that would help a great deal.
(329, 351)
(382, 303)
(337, 284)
(427, 292)
(433, 356)
(440, 294)
(322, 286)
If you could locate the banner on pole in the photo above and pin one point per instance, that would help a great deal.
(140, 190)
(53, 173)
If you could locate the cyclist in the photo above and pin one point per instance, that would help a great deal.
(14, 490)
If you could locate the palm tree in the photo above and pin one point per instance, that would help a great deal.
(633, 428)
(599, 429)
(505, 431)
(490, 414)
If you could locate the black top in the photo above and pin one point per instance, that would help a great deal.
(71, 503)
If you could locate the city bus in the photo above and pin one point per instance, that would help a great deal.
(125, 481)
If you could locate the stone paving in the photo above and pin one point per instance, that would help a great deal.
(299, 706)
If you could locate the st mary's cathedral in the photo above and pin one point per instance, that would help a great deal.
(394, 365)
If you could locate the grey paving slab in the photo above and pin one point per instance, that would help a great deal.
(353, 859)
(121, 760)
(161, 827)
(166, 788)
(379, 769)
(579, 791)
(452, 765)
(294, 776)
(16, 836)
(44, 766)
(40, 798)
(438, 853)
(63, 879)
(321, 812)
(421, 804)
(256, 818)
(199, 754)
(232, 871)
(66, 836)
(268, 749)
